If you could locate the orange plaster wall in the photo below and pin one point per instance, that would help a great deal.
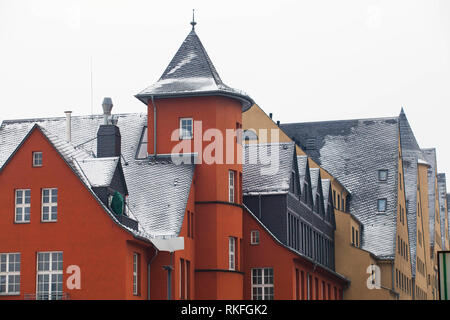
(88, 237)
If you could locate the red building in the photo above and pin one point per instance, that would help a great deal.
(102, 207)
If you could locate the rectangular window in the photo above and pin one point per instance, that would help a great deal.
(23, 205)
(231, 184)
(353, 236)
(316, 288)
(182, 280)
(381, 205)
(186, 128)
(37, 159)
(231, 253)
(357, 238)
(49, 204)
(254, 237)
(188, 279)
(338, 202)
(297, 284)
(262, 284)
(382, 175)
(9, 273)
(49, 276)
(136, 273)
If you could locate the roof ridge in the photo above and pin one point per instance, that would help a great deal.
(342, 120)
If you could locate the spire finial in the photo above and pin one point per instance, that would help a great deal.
(193, 23)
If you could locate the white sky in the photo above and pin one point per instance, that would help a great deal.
(301, 60)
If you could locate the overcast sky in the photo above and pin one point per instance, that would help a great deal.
(301, 60)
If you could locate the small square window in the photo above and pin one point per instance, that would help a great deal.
(186, 128)
(37, 159)
(382, 175)
(382, 204)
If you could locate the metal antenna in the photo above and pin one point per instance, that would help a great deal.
(193, 23)
(92, 93)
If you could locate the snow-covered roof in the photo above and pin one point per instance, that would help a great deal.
(99, 171)
(159, 213)
(353, 151)
(267, 167)
(191, 73)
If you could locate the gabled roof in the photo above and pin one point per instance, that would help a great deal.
(192, 73)
(71, 156)
(160, 214)
(315, 177)
(353, 151)
(267, 167)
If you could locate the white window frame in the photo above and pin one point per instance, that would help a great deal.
(136, 274)
(231, 186)
(265, 286)
(183, 131)
(232, 253)
(37, 158)
(254, 237)
(50, 205)
(7, 273)
(50, 272)
(23, 206)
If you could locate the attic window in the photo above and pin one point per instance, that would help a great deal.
(381, 205)
(37, 159)
(382, 175)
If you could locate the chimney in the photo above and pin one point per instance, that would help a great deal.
(108, 135)
(68, 125)
(107, 107)
(278, 123)
(270, 115)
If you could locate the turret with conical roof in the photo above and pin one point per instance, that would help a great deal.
(191, 73)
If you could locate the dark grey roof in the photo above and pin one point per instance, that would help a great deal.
(158, 190)
(430, 157)
(353, 151)
(271, 176)
(191, 72)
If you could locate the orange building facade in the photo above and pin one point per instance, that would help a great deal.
(96, 251)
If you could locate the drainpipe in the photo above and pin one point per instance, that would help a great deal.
(148, 272)
(169, 269)
(154, 126)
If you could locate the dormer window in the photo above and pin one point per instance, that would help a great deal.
(382, 175)
(186, 128)
(37, 159)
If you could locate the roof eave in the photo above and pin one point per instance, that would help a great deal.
(245, 100)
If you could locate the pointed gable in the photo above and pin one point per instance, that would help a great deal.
(191, 73)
